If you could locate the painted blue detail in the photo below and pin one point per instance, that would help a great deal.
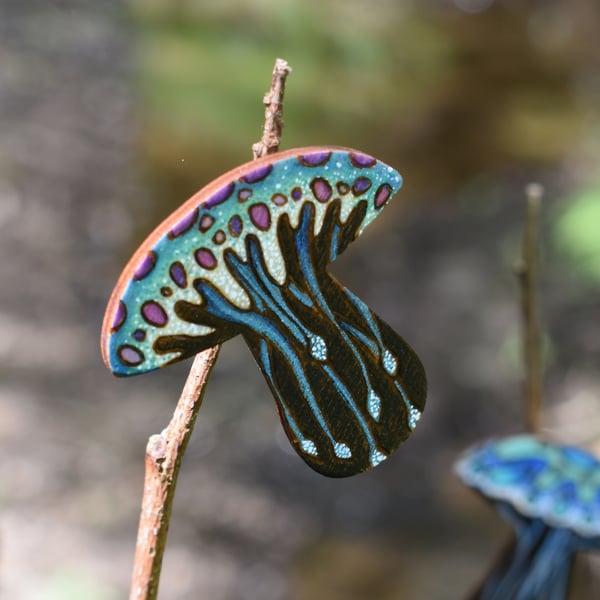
(367, 315)
(266, 363)
(374, 405)
(219, 307)
(322, 355)
(558, 484)
(311, 279)
(390, 363)
(342, 451)
(300, 295)
(286, 173)
(309, 447)
(377, 458)
(318, 347)
(414, 415)
(547, 493)
(347, 397)
(333, 250)
(248, 275)
(361, 337)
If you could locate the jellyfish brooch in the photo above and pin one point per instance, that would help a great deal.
(248, 254)
(550, 495)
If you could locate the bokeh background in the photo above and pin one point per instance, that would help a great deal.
(112, 113)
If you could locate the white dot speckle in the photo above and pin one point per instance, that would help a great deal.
(342, 451)
(309, 447)
(374, 405)
(377, 457)
(413, 415)
(318, 348)
(390, 364)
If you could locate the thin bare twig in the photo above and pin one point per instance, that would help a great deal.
(526, 272)
(273, 100)
(525, 269)
(165, 451)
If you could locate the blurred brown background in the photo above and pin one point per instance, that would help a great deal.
(111, 114)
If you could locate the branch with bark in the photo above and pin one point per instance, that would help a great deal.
(165, 450)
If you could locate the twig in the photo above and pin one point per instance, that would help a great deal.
(526, 271)
(273, 100)
(165, 451)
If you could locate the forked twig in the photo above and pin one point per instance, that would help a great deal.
(165, 451)
(526, 271)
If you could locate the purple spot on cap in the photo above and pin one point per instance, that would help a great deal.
(384, 191)
(205, 258)
(183, 225)
(260, 216)
(279, 199)
(119, 317)
(362, 160)
(361, 185)
(321, 189)
(219, 237)
(154, 313)
(206, 223)
(139, 335)
(129, 355)
(244, 194)
(178, 274)
(342, 187)
(257, 174)
(145, 266)
(235, 225)
(220, 196)
(296, 193)
(314, 159)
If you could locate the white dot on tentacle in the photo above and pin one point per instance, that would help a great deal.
(376, 458)
(413, 415)
(318, 348)
(374, 405)
(309, 447)
(342, 451)
(390, 364)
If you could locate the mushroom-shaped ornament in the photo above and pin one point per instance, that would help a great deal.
(248, 255)
(550, 495)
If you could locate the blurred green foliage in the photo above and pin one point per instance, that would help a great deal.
(577, 232)
(206, 65)
(448, 95)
